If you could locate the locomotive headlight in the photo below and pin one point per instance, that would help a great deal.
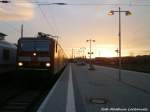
(47, 64)
(20, 64)
(34, 54)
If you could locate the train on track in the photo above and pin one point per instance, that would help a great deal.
(40, 53)
(7, 55)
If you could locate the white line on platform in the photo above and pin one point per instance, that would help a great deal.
(70, 106)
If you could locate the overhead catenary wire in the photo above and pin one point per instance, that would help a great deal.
(53, 20)
(13, 27)
(50, 27)
(50, 21)
(130, 3)
(46, 19)
(52, 24)
(95, 4)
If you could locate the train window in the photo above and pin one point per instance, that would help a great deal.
(27, 45)
(6, 54)
(42, 46)
(30, 45)
(56, 47)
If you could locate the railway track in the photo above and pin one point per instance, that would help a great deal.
(24, 93)
(20, 102)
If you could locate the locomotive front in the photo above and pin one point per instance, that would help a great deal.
(34, 53)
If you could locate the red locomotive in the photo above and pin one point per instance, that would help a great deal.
(40, 53)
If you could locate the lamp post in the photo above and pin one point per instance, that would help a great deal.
(82, 49)
(72, 54)
(127, 13)
(90, 65)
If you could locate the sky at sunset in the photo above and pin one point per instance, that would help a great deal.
(81, 20)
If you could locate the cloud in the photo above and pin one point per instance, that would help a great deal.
(17, 11)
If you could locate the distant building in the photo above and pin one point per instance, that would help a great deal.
(2, 36)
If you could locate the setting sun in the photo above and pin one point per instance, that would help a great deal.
(104, 52)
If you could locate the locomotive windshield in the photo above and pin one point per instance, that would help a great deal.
(30, 45)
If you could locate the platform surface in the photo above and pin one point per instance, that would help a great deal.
(82, 90)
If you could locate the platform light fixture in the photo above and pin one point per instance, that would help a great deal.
(4, 1)
(111, 12)
(128, 13)
(61, 3)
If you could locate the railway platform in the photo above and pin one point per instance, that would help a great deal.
(81, 90)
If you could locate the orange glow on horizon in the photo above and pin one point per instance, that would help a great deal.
(105, 52)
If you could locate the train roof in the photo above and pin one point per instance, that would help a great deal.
(41, 38)
(2, 36)
(35, 38)
(7, 44)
